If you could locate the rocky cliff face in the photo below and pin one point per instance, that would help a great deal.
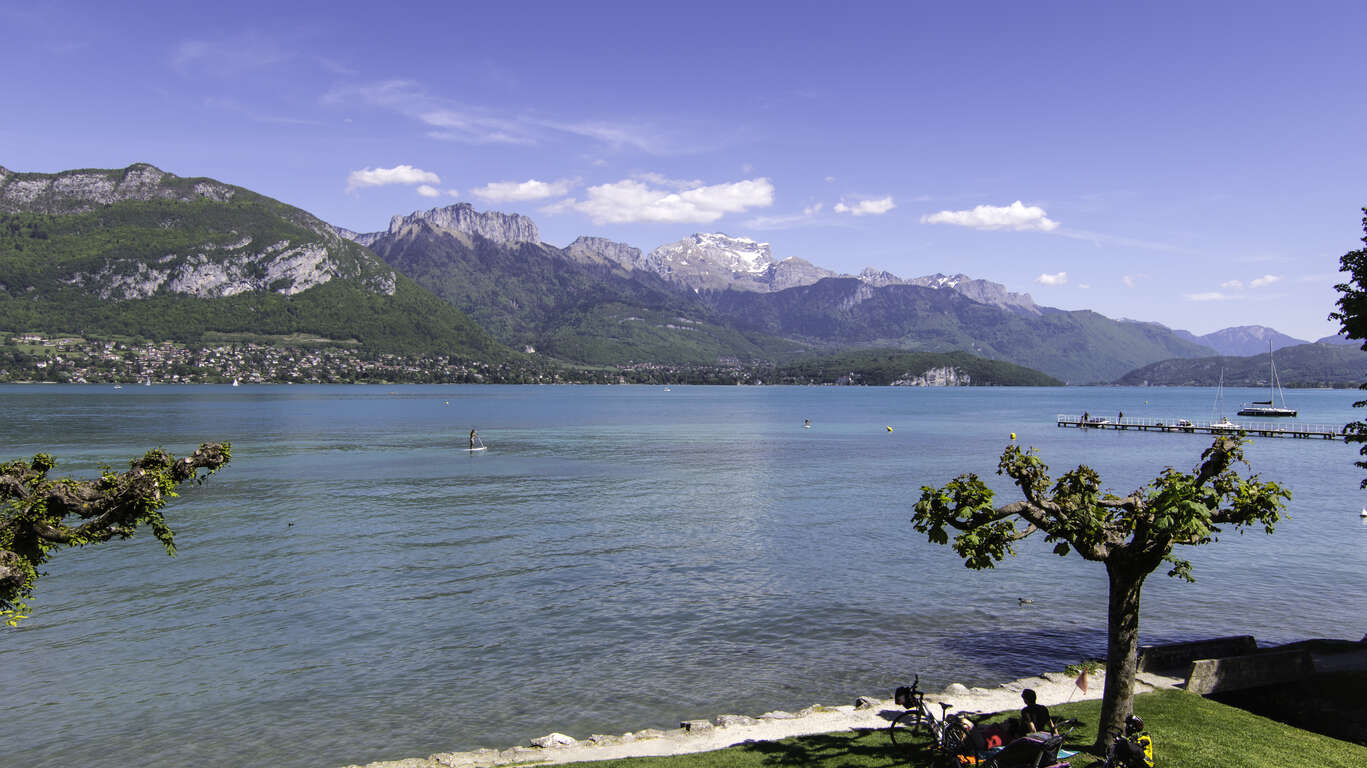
(935, 377)
(600, 250)
(981, 291)
(215, 273)
(366, 239)
(80, 191)
(879, 277)
(506, 228)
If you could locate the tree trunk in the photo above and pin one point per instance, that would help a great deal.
(1122, 651)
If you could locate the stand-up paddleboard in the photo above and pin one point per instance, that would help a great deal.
(480, 448)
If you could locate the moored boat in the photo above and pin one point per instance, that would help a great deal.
(1267, 407)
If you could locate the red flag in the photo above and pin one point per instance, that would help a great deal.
(1081, 681)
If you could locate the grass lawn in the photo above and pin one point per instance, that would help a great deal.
(1188, 732)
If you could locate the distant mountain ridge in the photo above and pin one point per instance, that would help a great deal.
(1304, 365)
(1243, 340)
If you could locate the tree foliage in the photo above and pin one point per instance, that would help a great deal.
(1132, 535)
(40, 514)
(1352, 314)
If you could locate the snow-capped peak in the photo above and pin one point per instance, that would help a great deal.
(710, 260)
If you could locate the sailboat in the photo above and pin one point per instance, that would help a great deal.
(1265, 407)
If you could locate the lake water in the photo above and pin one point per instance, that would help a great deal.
(356, 586)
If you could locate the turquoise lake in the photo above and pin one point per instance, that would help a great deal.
(356, 586)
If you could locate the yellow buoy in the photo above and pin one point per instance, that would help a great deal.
(1013, 435)
(889, 429)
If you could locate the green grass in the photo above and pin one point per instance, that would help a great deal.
(1188, 732)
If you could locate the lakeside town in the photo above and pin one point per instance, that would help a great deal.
(39, 358)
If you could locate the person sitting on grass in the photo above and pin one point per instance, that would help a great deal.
(1035, 717)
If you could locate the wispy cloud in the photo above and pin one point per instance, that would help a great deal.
(876, 207)
(1207, 296)
(449, 120)
(399, 174)
(1016, 217)
(531, 189)
(660, 180)
(235, 106)
(1131, 281)
(805, 217)
(1265, 280)
(1233, 285)
(1058, 278)
(227, 57)
(1098, 239)
(428, 191)
(631, 200)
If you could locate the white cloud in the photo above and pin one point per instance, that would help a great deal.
(1058, 278)
(1232, 285)
(531, 189)
(1207, 296)
(429, 191)
(1265, 280)
(399, 174)
(1128, 280)
(1016, 216)
(867, 207)
(631, 200)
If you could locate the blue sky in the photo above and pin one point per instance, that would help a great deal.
(1200, 164)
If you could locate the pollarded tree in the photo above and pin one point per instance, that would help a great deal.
(1352, 315)
(1132, 535)
(35, 510)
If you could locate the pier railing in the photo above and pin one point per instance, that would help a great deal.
(1254, 427)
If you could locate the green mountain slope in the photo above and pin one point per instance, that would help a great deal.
(140, 252)
(1305, 365)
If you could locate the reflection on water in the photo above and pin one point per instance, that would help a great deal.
(356, 586)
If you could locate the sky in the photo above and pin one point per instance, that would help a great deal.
(1201, 164)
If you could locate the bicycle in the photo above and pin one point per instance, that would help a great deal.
(946, 733)
(1132, 748)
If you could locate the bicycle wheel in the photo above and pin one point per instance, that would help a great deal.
(906, 728)
(950, 744)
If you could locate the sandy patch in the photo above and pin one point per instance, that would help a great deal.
(728, 730)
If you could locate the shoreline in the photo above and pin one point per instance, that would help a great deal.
(1052, 688)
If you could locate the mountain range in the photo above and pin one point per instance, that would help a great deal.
(710, 295)
(143, 253)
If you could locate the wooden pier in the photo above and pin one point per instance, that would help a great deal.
(1253, 428)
